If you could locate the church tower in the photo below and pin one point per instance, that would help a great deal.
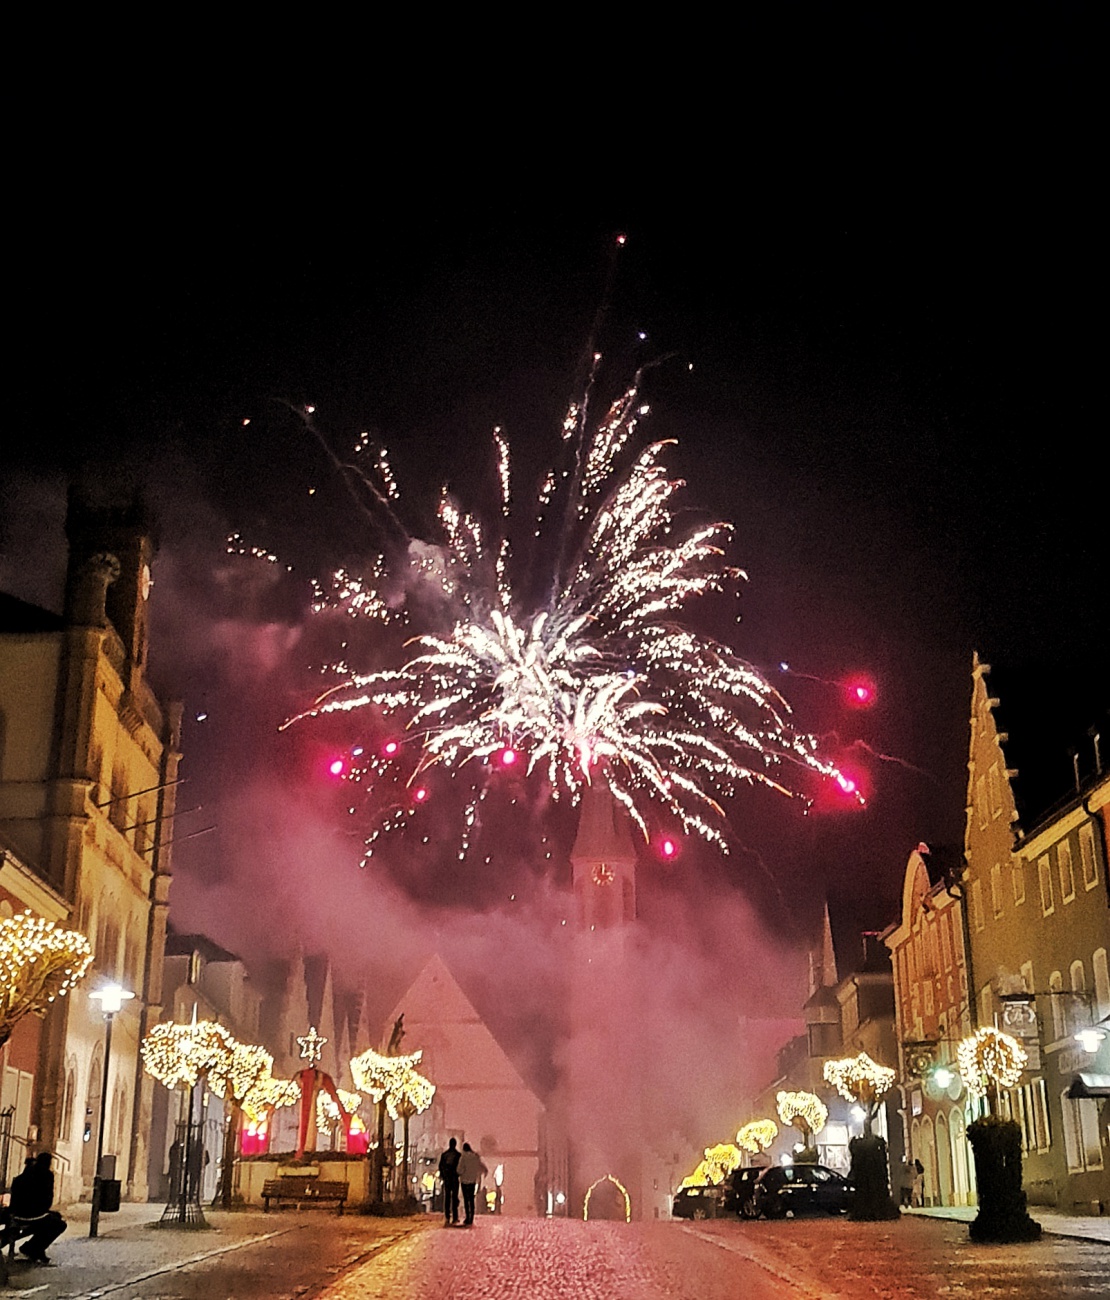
(603, 864)
(604, 1072)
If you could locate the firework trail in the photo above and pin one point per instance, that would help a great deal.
(579, 665)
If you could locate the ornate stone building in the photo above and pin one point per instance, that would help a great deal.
(88, 771)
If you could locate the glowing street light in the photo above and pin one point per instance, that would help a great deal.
(111, 998)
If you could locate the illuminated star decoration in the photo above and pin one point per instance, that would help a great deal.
(312, 1046)
(581, 662)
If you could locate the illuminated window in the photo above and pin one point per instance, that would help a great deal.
(1077, 1018)
(1087, 855)
(1067, 875)
(1044, 874)
(1019, 882)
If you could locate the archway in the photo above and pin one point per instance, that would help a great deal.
(928, 1157)
(92, 1116)
(608, 1178)
(944, 1162)
(963, 1171)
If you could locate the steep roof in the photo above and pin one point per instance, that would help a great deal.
(459, 1050)
(603, 829)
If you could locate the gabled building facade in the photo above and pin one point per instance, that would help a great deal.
(1039, 932)
(88, 770)
(931, 1015)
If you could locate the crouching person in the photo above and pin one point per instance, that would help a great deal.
(31, 1200)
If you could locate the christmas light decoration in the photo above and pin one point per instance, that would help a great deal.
(859, 1078)
(379, 1076)
(757, 1135)
(38, 963)
(609, 1178)
(701, 1177)
(236, 1074)
(327, 1112)
(989, 1060)
(311, 1045)
(270, 1094)
(179, 1055)
(578, 665)
(804, 1111)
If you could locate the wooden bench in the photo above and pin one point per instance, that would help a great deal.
(304, 1191)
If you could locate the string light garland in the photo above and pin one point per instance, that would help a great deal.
(989, 1060)
(240, 1071)
(38, 964)
(579, 661)
(757, 1135)
(379, 1075)
(804, 1111)
(411, 1094)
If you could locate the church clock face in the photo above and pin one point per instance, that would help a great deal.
(603, 874)
(145, 582)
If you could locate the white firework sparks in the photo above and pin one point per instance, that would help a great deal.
(602, 678)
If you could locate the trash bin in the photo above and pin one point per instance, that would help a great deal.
(109, 1195)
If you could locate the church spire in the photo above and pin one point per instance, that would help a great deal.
(603, 863)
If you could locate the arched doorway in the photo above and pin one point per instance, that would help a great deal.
(928, 1157)
(91, 1122)
(944, 1162)
(963, 1173)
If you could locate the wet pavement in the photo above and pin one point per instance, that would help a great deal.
(917, 1258)
(314, 1255)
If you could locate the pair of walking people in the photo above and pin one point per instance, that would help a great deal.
(460, 1169)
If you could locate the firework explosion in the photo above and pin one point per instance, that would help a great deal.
(581, 664)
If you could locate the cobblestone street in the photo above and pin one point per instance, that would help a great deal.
(317, 1256)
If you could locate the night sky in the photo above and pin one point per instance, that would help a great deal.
(876, 246)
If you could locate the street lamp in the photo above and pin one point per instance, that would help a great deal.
(111, 998)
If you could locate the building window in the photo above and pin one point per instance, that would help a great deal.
(1077, 1019)
(981, 800)
(986, 1006)
(1043, 1135)
(945, 942)
(1059, 1017)
(1027, 976)
(996, 889)
(1081, 1139)
(1019, 882)
(977, 904)
(1067, 875)
(1102, 984)
(996, 791)
(1087, 855)
(1044, 874)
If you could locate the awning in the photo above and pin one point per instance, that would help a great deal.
(1089, 1085)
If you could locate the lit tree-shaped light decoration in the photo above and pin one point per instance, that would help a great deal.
(379, 1075)
(233, 1078)
(803, 1111)
(757, 1135)
(178, 1056)
(38, 963)
(990, 1060)
(719, 1161)
(410, 1095)
(860, 1079)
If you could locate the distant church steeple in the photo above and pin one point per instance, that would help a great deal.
(603, 863)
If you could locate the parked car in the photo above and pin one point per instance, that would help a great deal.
(739, 1190)
(800, 1189)
(699, 1202)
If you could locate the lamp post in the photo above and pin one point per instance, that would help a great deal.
(111, 998)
